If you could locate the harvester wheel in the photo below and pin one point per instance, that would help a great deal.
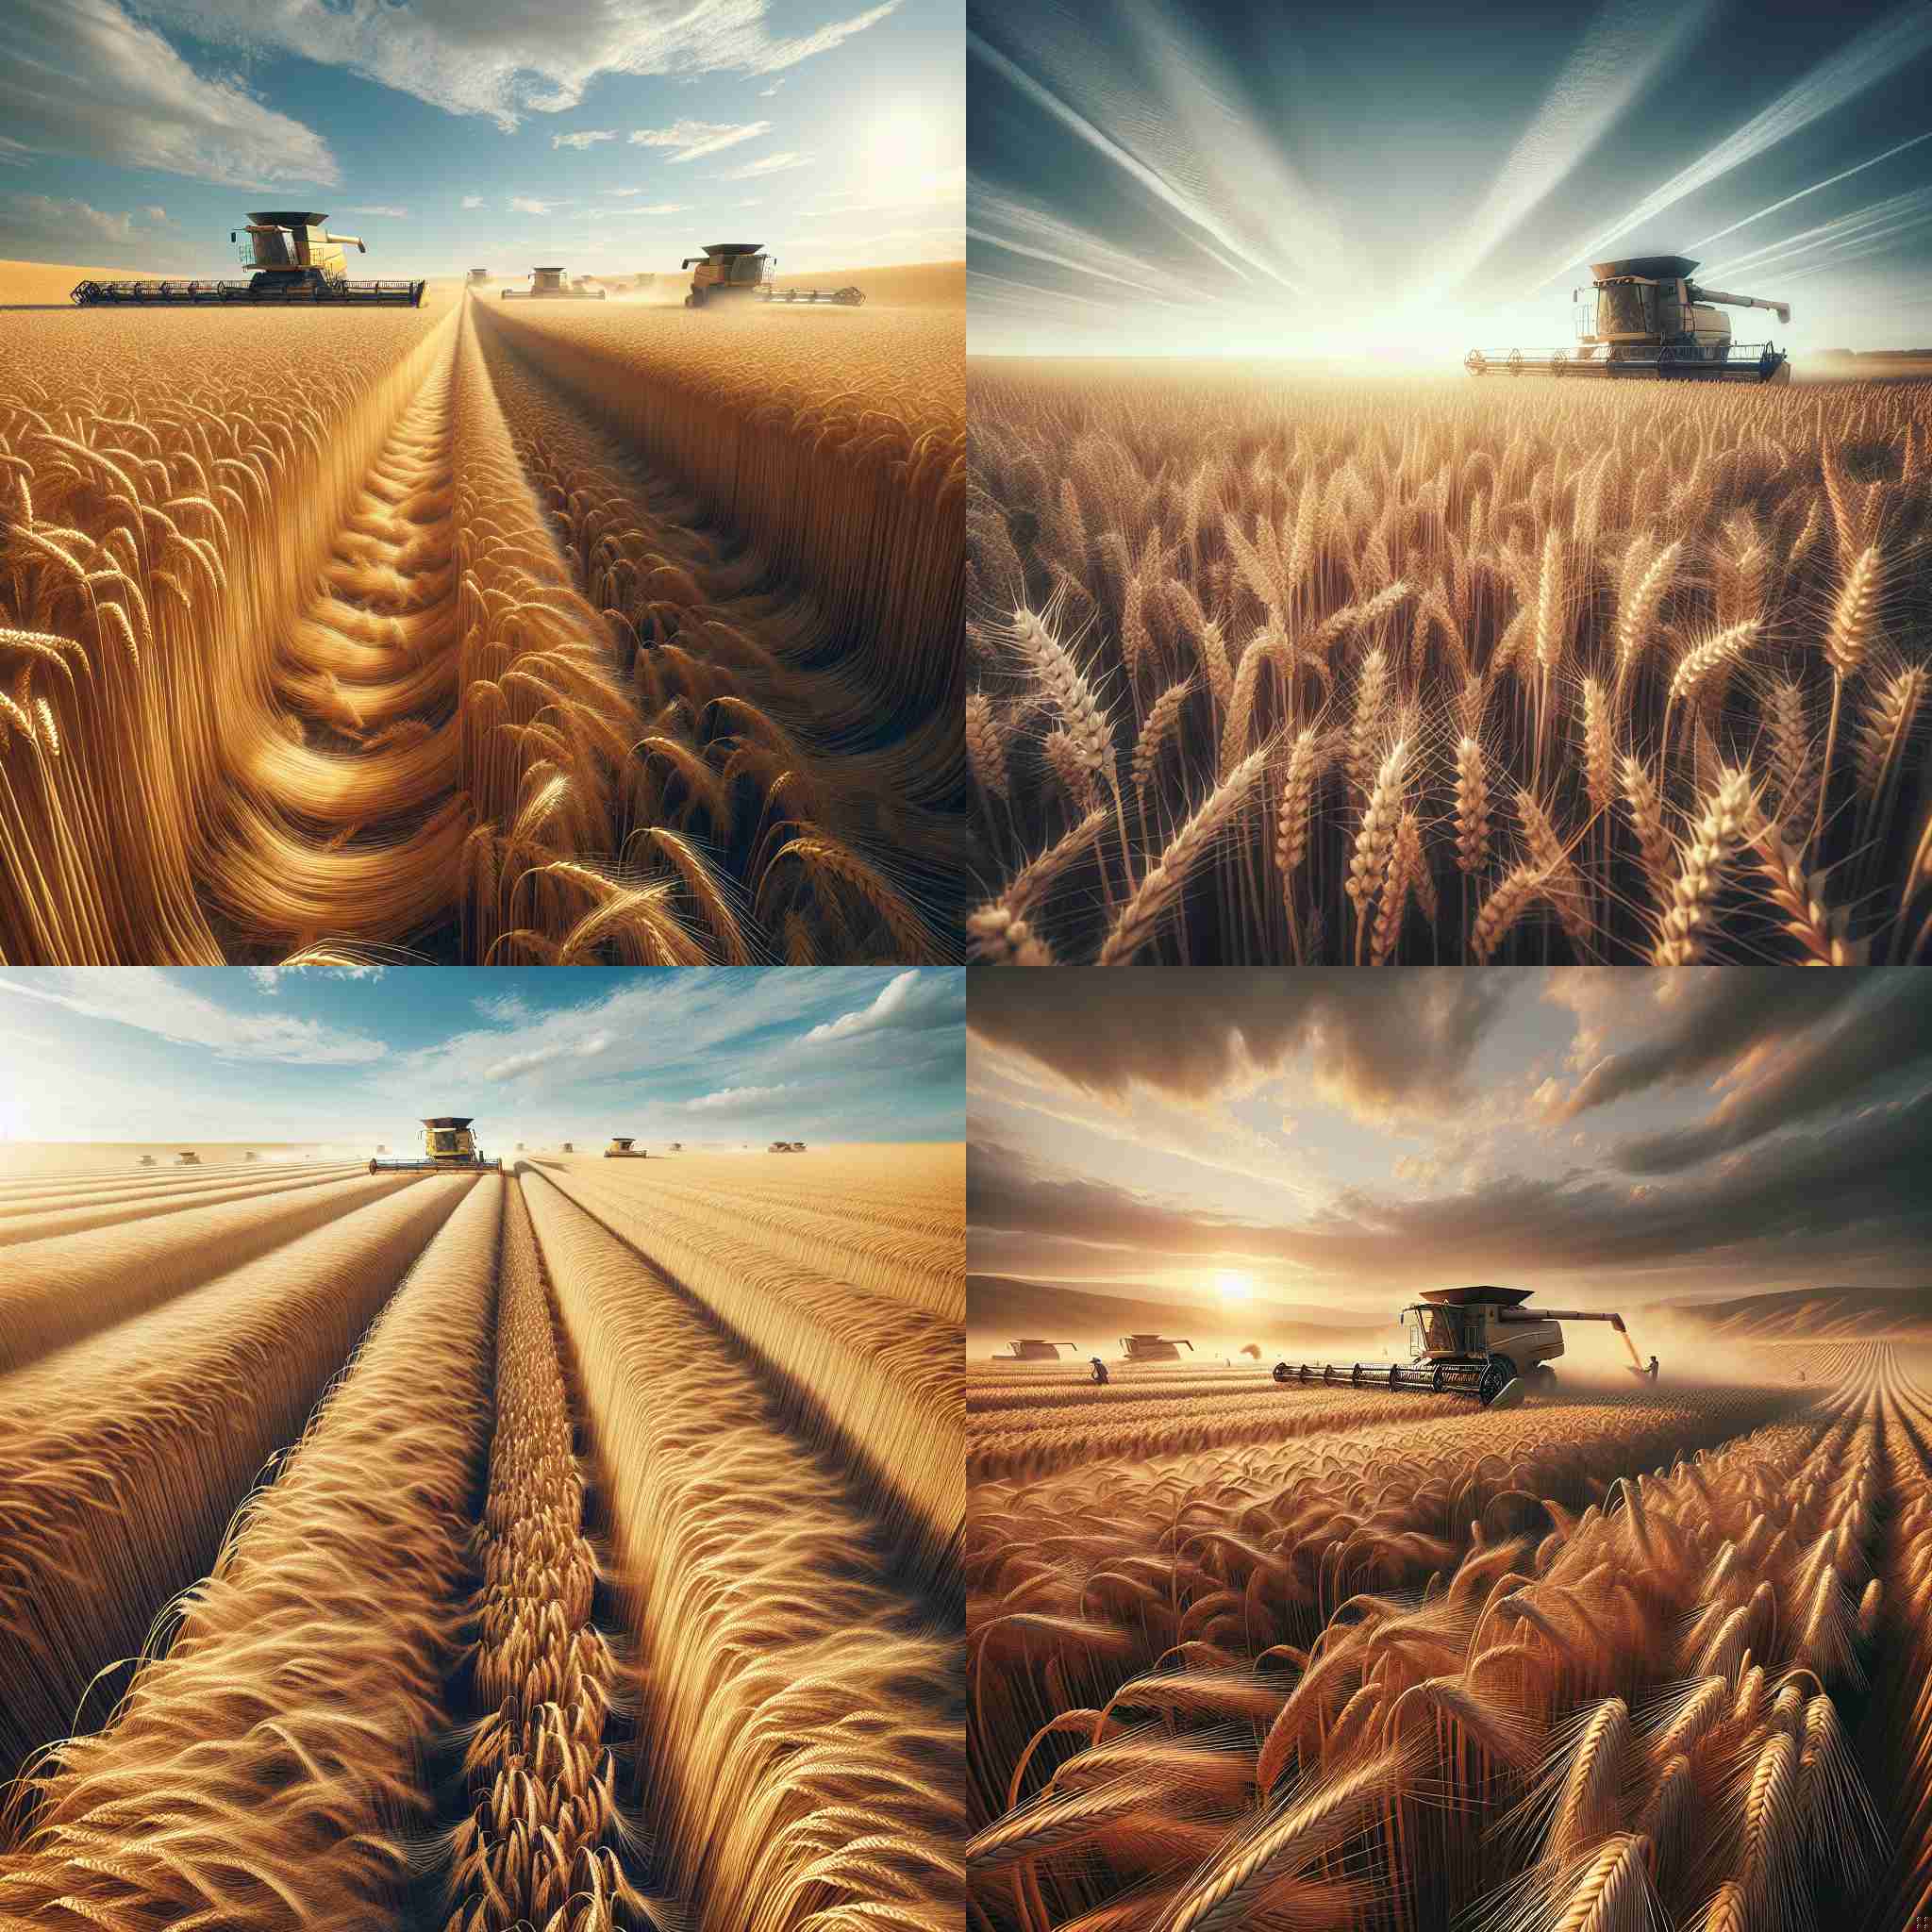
(1281, 1371)
(1498, 1372)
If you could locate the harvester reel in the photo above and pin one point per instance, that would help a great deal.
(1498, 1372)
(1515, 364)
(1556, 362)
(1474, 362)
(1281, 1371)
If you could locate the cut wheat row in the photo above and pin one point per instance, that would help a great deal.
(262, 1774)
(59, 1289)
(863, 1368)
(18, 1224)
(797, 1711)
(122, 1457)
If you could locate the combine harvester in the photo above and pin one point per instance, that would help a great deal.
(553, 285)
(296, 260)
(1651, 319)
(1034, 1351)
(729, 269)
(187, 1157)
(1477, 1342)
(624, 1147)
(475, 277)
(448, 1147)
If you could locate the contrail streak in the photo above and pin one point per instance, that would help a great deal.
(1145, 176)
(1624, 47)
(1705, 240)
(1825, 235)
(1878, 52)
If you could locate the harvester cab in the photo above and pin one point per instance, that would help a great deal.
(295, 257)
(1033, 1350)
(1479, 1342)
(1646, 316)
(742, 268)
(476, 275)
(187, 1157)
(448, 1147)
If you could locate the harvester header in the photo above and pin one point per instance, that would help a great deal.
(1479, 1342)
(1650, 318)
(1033, 1350)
(448, 1147)
(295, 257)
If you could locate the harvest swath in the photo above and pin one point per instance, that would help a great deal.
(1286, 669)
(529, 642)
(553, 1550)
(1586, 1666)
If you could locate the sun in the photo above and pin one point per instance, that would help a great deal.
(1233, 1288)
(900, 147)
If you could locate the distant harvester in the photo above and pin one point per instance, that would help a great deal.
(623, 1147)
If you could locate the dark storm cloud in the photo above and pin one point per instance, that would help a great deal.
(1709, 1029)
(1384, 1042)
(1874, 1043)
(1847, 1193)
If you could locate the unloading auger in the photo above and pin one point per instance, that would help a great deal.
(1650, 318)
(1479, 1342)
(296, 260)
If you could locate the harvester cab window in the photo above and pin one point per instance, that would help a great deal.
(1437, 1329)
(272, 248)
(1623, 310)
(445, 1143)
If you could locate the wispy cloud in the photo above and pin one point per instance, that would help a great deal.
(691, 139)
(153, 1003)
(771, 164)
(530, 205)
(395, 214)
(588, 138)
(738, 1099)
(654, 207)
(490, 58)
(473, 201)
(765, 93)
(84, 76)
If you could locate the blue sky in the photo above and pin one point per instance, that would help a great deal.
(1413, 179)
(352, 1056)
(1348, 1138)
(604, 134)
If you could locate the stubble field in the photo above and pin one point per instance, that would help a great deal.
(1283, 668)
(574, 1549)
(542, 633)
(1605, 1661)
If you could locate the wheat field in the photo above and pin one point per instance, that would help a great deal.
(457, 636)
(574, 1549)
(1654, 1660)
(1274, 668)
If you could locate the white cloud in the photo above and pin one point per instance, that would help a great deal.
(765, 93)
(39, 227)
(583, 141)
(694, 137)
(395, 214)
(529, 205)
(738, 1099)
(654, 207)
(82, 77)
(891, 1007)
(770, 164)
(158, 216)
(153, 1003)
(473, 201)
(586, 1048)
(505, 60)
(13, 154)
